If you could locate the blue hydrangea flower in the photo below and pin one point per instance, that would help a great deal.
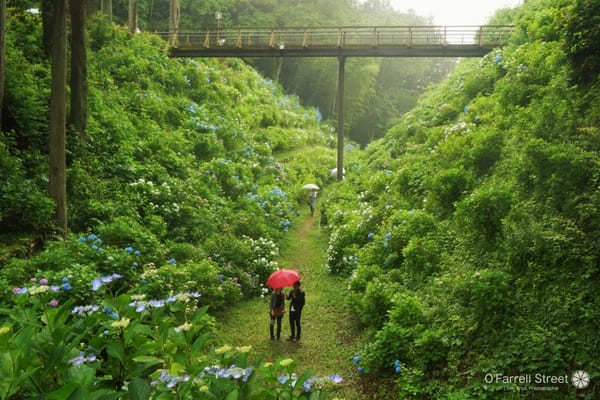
(137, 253)
(66, 286)
(94, 247)
(283, 379)
(361, 370)
(81, 239)
(398, 370)
(129, 249)
(136, 264)
(92, 237)
(356, 359)
(247, 373)
(397, 363)
(172, 261)
(307, 385)
(370, 235)
(335, 378)
(96, 284)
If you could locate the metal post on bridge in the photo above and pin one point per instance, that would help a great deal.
(340, 130)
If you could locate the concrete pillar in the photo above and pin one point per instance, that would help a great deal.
(340, 109)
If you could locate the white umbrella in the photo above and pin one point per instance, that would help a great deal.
(310, 186)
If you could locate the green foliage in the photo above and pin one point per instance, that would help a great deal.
(477, 209)
(582, 39)
(181, 202)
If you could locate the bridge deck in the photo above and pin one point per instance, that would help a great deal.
(381, 41)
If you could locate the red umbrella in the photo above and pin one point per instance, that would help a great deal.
(282, 278)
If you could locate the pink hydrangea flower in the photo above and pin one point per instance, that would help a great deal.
(53, 303)
(43, 281)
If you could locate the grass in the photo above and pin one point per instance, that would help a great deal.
(329, 338)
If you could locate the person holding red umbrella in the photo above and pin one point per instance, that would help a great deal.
(297, 297)
(278, 280)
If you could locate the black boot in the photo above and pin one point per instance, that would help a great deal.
(278, 328)
(271, 330)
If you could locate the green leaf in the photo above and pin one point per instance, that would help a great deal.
(147, 360)
(177, 369)
(233, 395)
(82, 375)
(115, 349)
(139, 389)
(63, 393)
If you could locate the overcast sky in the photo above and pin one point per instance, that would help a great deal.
(455, 12)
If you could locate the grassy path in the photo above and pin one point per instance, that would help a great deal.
(328, 339)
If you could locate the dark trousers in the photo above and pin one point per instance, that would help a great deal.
(272, 327)
(295, 324)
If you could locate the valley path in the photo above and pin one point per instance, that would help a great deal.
(328, 338)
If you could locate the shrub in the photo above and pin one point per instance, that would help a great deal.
(483, 211)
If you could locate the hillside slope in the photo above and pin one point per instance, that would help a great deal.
(470, 232)
(177, 206)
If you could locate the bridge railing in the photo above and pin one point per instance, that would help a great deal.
(342, 37)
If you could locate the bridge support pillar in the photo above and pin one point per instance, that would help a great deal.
(340, 110)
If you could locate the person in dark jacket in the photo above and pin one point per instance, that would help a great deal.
(276, 311)
(297, 302)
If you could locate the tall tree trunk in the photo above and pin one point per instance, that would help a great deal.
(58, 173)
(106, 7)
(47, 25)
(173, 22)
(2, 54)
(132, 16)
(78, 66)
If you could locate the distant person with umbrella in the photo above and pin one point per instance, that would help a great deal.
(312, 197)
(297, 297)
(278, 280)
